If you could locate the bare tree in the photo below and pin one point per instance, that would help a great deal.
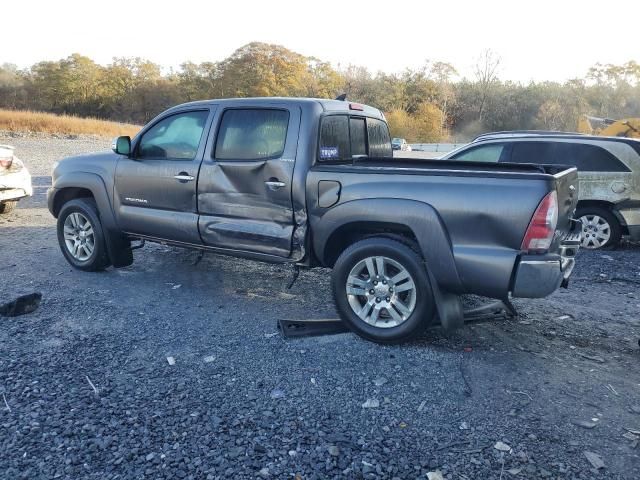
(486, 73)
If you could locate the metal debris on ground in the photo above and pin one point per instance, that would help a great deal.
(584, 423)
(22, 305)
(209, 359)
(437, 475)
(378, 382)
(371, 403)
(594, 459)
(503, 447)
(307, 328)
(171, 360)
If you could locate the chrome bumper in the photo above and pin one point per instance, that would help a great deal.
(538, 276)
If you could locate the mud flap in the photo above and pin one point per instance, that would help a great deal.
(119, 249)
(448, 305)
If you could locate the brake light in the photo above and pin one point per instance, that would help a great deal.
(6, 162)
(356, 106)
(542, 226)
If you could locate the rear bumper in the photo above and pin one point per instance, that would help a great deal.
(538, 276)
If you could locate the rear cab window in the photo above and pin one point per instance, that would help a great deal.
(345, 137)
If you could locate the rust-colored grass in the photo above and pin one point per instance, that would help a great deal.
(27, 121)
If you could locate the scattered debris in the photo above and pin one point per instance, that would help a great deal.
(422, 405)
(333, 450)
(635, 408)
(209, 359)
(22, 305)
(371, 403)
(564, 317)
(378, 382)
(95, 390)
(584, 423)
(613, 390)
(503, 447)
(176, 286)
(270, 335)
(437, 475)
(630, 436)
(464, 426)
(514, 471)
(277, 394)
(468, 349)
(635, 431)
(607, 257)
(594, 459)
(171, 360)
(403, 425)
(264, 472)
(594, 358)
(5, 403)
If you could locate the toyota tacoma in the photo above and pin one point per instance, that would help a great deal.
(313, 182)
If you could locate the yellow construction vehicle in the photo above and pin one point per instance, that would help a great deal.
(606, 127)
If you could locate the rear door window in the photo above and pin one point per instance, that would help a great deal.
(379, 144)
(533, 152)
(484, 153)
(252, 134)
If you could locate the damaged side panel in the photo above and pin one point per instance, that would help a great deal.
(247, 204)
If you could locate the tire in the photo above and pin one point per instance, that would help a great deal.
(75, 215)
(8, 206)
(400, 314)
(601, 226)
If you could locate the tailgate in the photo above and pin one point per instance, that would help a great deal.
(566, 180)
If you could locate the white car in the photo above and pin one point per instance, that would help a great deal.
(15, 180)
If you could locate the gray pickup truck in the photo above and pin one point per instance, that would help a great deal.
(313, 183)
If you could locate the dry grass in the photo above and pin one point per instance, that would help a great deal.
(27, 121)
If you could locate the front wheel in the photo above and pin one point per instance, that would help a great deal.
(600, 228)
(80, 235)
(382, 290)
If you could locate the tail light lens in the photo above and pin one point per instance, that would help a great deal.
(5, 162)
(542, 225)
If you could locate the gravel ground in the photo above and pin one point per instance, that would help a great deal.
(242, 402)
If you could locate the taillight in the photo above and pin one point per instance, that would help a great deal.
(542, 225)
(6, 162)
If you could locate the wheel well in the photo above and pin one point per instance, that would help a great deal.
(609, 206)
(351, 233)
(69, 193)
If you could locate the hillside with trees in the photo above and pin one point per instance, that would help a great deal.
(427, 104)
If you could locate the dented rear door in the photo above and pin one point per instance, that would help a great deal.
(244, 184)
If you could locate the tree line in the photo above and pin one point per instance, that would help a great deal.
(427, 104)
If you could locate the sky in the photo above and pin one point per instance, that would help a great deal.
(536, 40)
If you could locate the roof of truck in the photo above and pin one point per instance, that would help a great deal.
(327, 104)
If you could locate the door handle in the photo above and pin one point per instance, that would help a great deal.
(274, 184)
(184, 177)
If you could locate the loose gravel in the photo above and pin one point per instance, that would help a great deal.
(87, 390)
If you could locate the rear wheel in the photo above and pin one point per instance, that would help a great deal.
(80, 235)
(382, 290)
(600, 228)
(8, 206)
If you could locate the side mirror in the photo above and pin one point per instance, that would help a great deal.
(121, 145)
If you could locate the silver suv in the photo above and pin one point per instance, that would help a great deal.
(608, 173)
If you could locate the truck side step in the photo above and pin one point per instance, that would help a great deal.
(309, 328)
